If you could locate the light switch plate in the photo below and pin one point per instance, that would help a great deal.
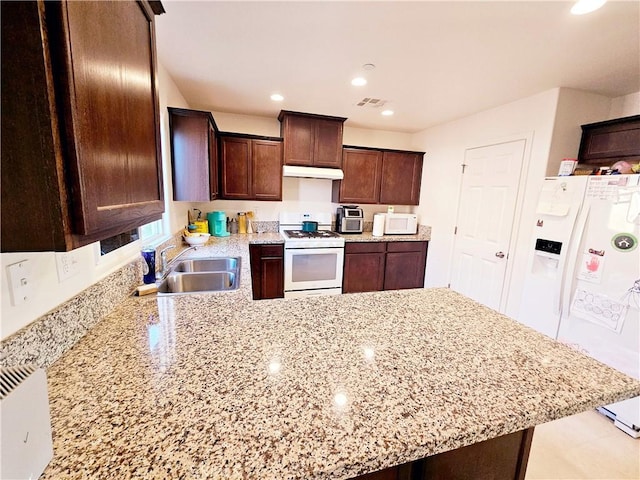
(20, 282)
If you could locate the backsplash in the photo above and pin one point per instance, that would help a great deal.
(46, 339)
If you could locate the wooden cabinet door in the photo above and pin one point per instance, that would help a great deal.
(190, 151)
(311, 140)
(604, 143)
(271, 277)
(267, 271)
(194, 155)
(328, 144)
(405, 265)
(401, 178)
(299, 140)
(214, 183)
(236, 168)
(362, 177)
(363, 272)
(267, 169)
(83, 162)
(105, 73)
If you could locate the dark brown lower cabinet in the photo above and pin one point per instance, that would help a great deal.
(375, 266)
(267, 271)
(500, 458)
(363, 267)
(405, 265)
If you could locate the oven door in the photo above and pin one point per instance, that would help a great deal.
(313, 268)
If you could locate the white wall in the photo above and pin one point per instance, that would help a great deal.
(249, 124)
(625, 106)
(48, 292)
(270, 127)
(575, 108)
(531, 118)
(169, 96)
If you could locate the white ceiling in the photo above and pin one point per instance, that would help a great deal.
(435, 61)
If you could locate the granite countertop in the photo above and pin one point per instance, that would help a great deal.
(220, 386)
(368, 237)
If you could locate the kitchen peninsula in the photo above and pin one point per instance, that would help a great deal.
(219, 386)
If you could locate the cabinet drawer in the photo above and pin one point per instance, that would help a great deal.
(271, 250)
(364, 247)
(406, 246)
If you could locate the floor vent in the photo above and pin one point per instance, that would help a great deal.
(12, 377)
(27, 446)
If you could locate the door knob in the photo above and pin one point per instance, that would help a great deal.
(499, 254)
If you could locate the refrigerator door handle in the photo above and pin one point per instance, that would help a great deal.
(568, 280)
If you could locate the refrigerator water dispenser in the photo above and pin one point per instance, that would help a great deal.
(546, 259)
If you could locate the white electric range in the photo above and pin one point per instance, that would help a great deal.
(313, 260)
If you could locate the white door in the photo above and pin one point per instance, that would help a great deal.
(485, 219)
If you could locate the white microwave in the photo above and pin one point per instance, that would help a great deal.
(400, 224)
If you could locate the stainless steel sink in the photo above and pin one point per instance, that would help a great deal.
(193, 282)
(201, 275)
(227, 264)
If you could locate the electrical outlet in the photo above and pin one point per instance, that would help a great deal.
(68, 265)
(20, 282)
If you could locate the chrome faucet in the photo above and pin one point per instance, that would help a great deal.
(164, 265)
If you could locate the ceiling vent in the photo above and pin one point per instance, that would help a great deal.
(371, 102)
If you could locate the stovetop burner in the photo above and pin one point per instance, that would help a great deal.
(317, 234)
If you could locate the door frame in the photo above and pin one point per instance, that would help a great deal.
(517, 213)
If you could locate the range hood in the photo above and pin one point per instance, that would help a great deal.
(312, 172)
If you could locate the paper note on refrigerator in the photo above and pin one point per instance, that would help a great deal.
(591, 267)
(553, 209)
(599, 309)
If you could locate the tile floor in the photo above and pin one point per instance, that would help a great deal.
(583, 447)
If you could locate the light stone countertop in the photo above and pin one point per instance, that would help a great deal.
(219, 386)
(368, 237)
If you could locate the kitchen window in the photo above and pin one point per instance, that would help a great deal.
(120, 249)
(146, 233)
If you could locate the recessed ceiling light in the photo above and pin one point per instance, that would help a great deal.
(276, 97)
(359, 81)
(586, 6)
(387, 113)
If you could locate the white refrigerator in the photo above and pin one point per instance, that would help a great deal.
(582, 283)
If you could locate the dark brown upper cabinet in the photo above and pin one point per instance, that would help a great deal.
(389, 177)
(80, 122)
(311, 140)
(194, 155)
(362, 176)
(605, 143)
(401, 178)
(251, 167)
